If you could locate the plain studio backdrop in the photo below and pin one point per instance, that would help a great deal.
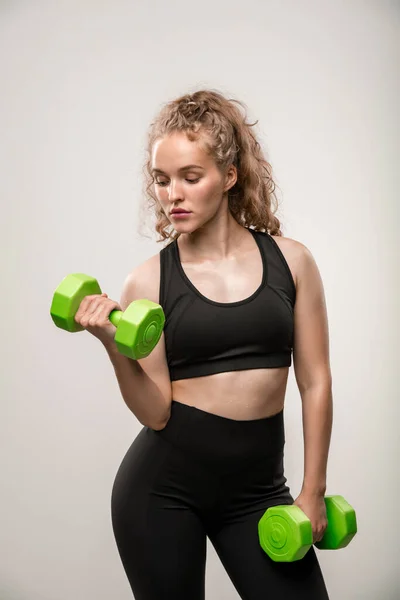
(80, 84)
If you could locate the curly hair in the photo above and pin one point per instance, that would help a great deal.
(229, 140)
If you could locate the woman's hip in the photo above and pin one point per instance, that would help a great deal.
(206, 462)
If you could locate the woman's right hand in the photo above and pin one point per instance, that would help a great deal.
(93, 314)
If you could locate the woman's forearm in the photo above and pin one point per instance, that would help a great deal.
(141, 395)
(317, 411)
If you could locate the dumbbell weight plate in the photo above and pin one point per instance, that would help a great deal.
(285, 533)
(342, 524)
(67, 298)
(139, 329)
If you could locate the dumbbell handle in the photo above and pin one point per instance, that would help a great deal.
(115, 316)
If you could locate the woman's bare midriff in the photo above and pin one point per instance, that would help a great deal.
(240, 395)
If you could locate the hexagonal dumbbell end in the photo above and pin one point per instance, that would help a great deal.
(285, 533)
(342, 524)
(67, 298)
(139, 328)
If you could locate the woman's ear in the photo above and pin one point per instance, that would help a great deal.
(230, 177)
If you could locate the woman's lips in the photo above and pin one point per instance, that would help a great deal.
(179, 215)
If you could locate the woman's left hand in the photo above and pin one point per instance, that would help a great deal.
(313, 506)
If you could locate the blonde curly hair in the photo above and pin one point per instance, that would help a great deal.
(229, 140)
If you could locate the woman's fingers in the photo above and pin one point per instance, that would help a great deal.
(93, 315)
(90, 307)
(99, 316)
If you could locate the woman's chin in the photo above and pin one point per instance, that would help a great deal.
(183, 225)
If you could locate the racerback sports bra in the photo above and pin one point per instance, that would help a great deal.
(204, 337)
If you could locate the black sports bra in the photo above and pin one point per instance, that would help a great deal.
(204, 337)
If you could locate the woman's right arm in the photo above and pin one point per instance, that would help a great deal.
(145, 384)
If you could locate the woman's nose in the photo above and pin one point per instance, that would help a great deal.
(174, 191)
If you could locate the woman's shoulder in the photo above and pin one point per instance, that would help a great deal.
(292, 251)
(145, 278)
(287, 242)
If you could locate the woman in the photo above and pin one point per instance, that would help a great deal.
(238, 299)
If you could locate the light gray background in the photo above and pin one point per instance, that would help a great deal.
(80, 83)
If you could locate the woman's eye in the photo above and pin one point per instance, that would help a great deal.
(163, 183)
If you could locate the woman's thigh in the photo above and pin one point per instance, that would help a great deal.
(255, 575)
(160, 538)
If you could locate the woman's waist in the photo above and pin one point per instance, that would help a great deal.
(239, 395)
(221, 442)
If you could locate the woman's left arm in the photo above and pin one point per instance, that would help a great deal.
(314, 380)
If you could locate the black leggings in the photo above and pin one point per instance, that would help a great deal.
(202, 476)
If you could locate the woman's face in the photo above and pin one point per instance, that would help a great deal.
(187, 178)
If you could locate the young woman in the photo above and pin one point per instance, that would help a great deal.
(239, 299)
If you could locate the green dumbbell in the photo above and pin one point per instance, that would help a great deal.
(139, 327)
(285, 532)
